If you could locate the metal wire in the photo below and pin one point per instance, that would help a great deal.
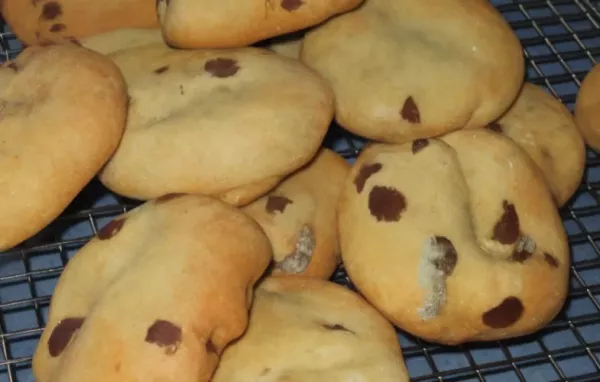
(557, 37)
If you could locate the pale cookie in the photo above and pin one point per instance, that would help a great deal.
(63, 113)
(229, 123)
(310, 330)
(156, 296)
(299, 217)
(122, 39)
(542, 126)
(455, 240)
(236, 24)
(44, 21)
(403, 70)
(587, 108)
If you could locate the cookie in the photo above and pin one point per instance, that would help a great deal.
(587, 108)
(56, 132)
(228, 123)
(542, 126)
(155, 296)
(306, 330)
(210, 24)
(299, 217)
(122, 39)
(455, 239)
(36, 22)
(404, 70)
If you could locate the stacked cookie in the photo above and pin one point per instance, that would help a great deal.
(447, 223)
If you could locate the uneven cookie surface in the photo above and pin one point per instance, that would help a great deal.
(56, 132)
(587, 108)
(299, 217)
(217, 24)
(455, 240)
(307, 330)
(542, 126)
(156, 296)
(403, 70)
(227, 123)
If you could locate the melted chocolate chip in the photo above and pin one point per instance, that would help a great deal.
(162, 69)
(410, 111)
(551, 260)
(507, 229)
(505, 314)
(365, 173)
(338, 327)
(62, 334)
(222, 67)
(167, 197)
(447, 263)
(495, 126)
(164, 334)
(57, 28)
(419, 145)
(521, 256)
(386, 203)
(291, 5)
(277, 204)
(111, 229)
(51, 10)
(211, 347)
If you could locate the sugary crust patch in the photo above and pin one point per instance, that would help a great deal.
(587, 108)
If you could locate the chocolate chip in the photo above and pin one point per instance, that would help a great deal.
(164, 334)
(111, 229)
(495, 126)
(365, 173)
(386, 203)
(337, 327)
(277, 204)
(521, 256)
(506, 230)
(222, 67)
(505, 314)
(419, 145)
(57, 28)
(211, 347)
(162, 69)
(551, 260)
(62, 334)
(410, 111)
(167, 197)
(447, 263)
(51, 10)
(291, 5)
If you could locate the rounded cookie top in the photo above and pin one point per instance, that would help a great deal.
(455, 239)
(217, 24)
(542, 126)
(156, 295)
(306, 330)
(299, 217)
(212, 121)
(63, 114)
(587, 108)
(403, 70)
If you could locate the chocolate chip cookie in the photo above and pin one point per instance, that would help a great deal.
(587, 108)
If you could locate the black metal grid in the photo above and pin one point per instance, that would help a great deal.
(561, 41)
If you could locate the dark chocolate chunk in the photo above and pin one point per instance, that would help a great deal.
(277, 204)
(222, 67)
(365, 173)
(419, 145)
(111, 229)
(505, 314)
(164, 334)
(291, 5)
(386, 203)
(51, 11)
(62, 334)
(507, 229)
(410, 111)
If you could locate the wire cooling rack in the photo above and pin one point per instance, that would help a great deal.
(561, 41)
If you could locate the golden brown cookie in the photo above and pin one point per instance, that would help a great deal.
(455, 239)
(43, 21)
(403, 70)
(229, 123)
(587, 108)
(542, 126)
(217, 24)
(299, 217)
(156, 296)
(308, 330)
(63, 114)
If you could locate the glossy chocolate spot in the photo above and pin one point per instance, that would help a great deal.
(168, 197)
(495, 126)
(448, 261)
(164, 334)
(505, 314)
(338, 327)
(162, 69)
(57, 28)
(62, 334)
(506, 230)
(291, 5)
(551, 260)
(277, 204)
(51, 10)
(222, 67)
(386, 203)
(419, 145)
(211, 347)
(410, 111)
(111, 229)
(365, 173)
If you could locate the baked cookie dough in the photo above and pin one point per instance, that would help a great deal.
(403, 70)
(156, 296)
(299, 217)
(455, 239)
(63, 114)
(122, 39)
(587, 108)
(228, 123)
(45, 21)
(217, 24)
(307, 330)
(542, 126)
